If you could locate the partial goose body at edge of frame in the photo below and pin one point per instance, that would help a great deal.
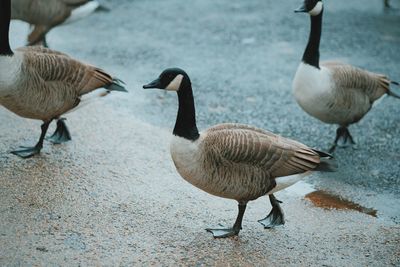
(44, 15)
(48, 83)
(334, 92)
(43, 84)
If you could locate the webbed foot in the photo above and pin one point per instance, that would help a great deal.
(27, 152)
(275, 217)
(61, 134)
(343, 139)
(223, 232)
(234, 231)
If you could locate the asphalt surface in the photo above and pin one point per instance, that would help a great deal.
(112, 195)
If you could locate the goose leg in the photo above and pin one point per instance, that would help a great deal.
(61, 134)
(343, 138)
(31, 151)
(275, 217)
(44, 42)
(38, 35)
(228, 232)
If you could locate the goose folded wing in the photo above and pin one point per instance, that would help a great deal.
(261, 149)
(352, 78)
(57, 68)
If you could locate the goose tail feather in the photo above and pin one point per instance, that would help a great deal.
(327, 164)
(391, 93)
(102, 8)
(116, 85)
(82, 11)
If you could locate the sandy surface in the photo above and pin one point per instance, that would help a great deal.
(112, 195)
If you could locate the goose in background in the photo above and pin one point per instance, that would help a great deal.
(39, 83)
(44, 15)
(334, 92)
(235, 161)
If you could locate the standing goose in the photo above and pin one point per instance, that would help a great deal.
(235, 161)
(44, 15)
(334, 92)
(39, 83)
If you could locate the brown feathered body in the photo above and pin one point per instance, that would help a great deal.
(45, 14)
(240, 162)
(337, 93)
(40, 83)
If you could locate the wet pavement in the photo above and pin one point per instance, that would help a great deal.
(112, 195)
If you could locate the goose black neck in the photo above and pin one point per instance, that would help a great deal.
(5, 16)
(185, 125)
(311, 54)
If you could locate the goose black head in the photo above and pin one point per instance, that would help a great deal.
(170, 79)
(312, 7)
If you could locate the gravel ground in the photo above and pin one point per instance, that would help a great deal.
(112, 195)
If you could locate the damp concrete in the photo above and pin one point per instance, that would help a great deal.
(112, 197)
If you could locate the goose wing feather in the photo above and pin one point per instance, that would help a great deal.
(242, 144)
(40, 12)
(348, 77)
(55, 67)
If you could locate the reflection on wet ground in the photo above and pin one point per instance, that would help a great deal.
(327, 200)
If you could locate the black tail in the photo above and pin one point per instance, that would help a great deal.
(392, 93)
(327, 164)
(102, 8)
(116, 85)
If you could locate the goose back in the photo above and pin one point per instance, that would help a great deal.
(348, 77)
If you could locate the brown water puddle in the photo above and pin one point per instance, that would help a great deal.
(327, 200)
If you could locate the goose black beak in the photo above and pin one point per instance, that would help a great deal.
(302, 8)
(154, 84)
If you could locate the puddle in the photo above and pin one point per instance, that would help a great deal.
(327, 200)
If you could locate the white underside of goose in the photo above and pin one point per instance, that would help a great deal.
(82, 11)
(312, 89)
(90, 98)
(286, 181)
(379, 100)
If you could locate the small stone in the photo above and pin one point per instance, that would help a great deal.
(43, 249)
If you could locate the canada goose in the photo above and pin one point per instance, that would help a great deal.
(235, 161)
(334, 92)
(44, 15)
(39, 83)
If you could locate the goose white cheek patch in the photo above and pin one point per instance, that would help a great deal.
(175, 84)
(316, 10)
